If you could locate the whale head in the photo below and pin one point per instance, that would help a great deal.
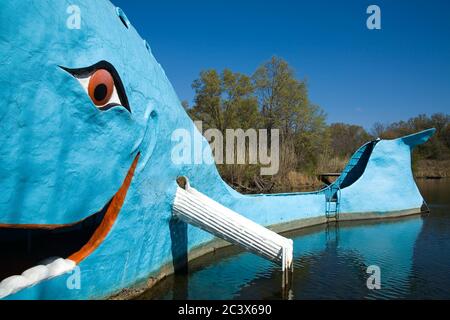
(86, 120)
(57, 145)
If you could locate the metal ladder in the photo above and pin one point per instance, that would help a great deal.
(332, 204)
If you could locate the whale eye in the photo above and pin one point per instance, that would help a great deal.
(101, 88)
(102, 84)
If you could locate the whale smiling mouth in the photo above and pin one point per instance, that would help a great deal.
(47, 251)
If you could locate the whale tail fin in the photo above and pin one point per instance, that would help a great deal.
(418, 138)
(379, 176)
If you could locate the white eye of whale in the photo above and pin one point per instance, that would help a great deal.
(102, 84)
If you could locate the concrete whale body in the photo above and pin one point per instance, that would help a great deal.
(62, 159)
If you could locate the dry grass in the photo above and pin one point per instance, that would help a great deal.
(432, 169)
(246, 178)
(336, 164)
(298, 181)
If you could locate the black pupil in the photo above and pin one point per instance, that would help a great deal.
(100, 92)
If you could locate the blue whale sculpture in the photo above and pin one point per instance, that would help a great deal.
(86, 118)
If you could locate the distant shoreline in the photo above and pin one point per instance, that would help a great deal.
(432, 169)
(304, 182)
(432, 177)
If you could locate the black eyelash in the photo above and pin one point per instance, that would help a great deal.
(82, 72)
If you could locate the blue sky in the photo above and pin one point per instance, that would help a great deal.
(356, 75)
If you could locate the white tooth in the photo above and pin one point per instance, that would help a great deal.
(36, 274)
(5, 292)
(14, 284)
(15, 281)
(59, 267)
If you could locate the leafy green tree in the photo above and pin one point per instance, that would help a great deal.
(347, 138)
(437, 148)
(208, 93)
(284, 105)
(224, 100)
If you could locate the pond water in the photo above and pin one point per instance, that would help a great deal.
(413, 255)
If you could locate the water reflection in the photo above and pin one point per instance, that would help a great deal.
(331, 263)
(431, 264)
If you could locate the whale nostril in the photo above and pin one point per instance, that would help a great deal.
(147, 46)
(123, 17)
